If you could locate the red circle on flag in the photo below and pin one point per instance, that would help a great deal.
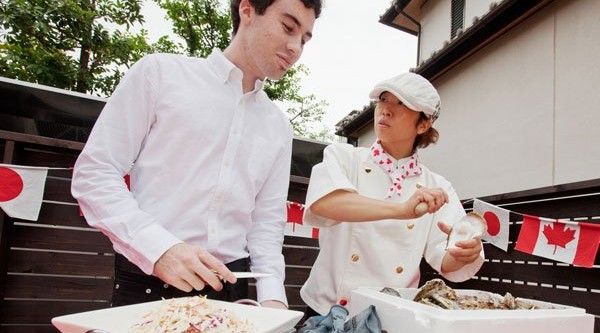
(493, 223)
(11, 184)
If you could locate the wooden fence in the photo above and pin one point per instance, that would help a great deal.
(59, 265)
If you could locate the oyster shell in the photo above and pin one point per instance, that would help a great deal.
(470, 226)
(436, 293)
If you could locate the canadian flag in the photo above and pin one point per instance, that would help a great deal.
(22, 190)
(294, 227)
(572, 243)
(497, 220)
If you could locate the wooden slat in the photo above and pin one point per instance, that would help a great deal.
(301, 241)
(41, 312)
(51, 287)
(300, 256)
(57, 239)
(60, 263)
(296, 276)
(49, 157)
(58, 190)
(571, 276)
(29, 329)
(573, 207)
(61, 215)
(39, 140)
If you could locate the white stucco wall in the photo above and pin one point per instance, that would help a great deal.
(436, 22)
(524, 112)
(435, 26)
(476, 8)
(577, 109)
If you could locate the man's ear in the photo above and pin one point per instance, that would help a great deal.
(423, 126)
(246, 11)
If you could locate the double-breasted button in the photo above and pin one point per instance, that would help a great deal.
(410, 226)
(354, 257)
(166, 285)
(148, 291)
(399, 269)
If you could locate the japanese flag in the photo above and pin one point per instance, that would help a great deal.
(22, 190)
(572, 243)
(497, 222)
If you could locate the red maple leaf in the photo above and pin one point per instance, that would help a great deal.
(558, 235)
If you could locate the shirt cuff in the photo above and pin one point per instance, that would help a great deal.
(151, 242)
(270, 288)
(466, 272)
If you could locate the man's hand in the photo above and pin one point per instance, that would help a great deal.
(463, 254)
(435, 198)
(189, 267)
(273, 304)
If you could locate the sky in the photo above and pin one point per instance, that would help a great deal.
(350, 51)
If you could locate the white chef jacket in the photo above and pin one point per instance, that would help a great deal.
(209, 166)
(384, 253)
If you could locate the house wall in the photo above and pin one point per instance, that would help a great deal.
(523, 112)
(435, 22)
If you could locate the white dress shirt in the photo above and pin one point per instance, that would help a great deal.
(384, 253)
(209, 166)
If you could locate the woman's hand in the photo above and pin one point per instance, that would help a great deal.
(424, 200)
(464, 253)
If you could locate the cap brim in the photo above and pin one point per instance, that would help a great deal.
(381, 88)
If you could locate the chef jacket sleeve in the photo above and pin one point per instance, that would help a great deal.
(334, 173)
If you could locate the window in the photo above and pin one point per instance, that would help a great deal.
(457, 16)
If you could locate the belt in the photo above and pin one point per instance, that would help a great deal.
(132, 285)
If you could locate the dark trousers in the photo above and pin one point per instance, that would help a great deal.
(134, 286)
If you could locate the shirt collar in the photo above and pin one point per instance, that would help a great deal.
(227, 70)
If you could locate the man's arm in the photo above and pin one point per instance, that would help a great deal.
(265, 239)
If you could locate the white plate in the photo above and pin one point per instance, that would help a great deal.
(120, 319)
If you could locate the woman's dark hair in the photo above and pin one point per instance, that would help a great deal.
(262, 5)
(429, 137)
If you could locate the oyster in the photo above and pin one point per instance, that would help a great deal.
(390, 291)
(436, 293)
(470, 226)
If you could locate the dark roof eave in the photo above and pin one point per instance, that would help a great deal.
(391, 13)
(506, 15)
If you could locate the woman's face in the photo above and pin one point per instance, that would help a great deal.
(394, 122)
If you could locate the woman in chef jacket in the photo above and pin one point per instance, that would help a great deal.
(364, 200)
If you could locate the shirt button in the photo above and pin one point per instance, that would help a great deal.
(148, 291)
(410, 226)
(343, 302)
(117, 286)
(355, 257)
(399, 269)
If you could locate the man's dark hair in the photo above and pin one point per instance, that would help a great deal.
(261, 6)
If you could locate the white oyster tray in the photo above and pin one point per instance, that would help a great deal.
(120, 319)
(403, 315)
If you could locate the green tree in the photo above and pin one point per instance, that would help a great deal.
(67, 44)
(86, 46)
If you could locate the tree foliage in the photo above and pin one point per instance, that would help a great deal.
(86, 46)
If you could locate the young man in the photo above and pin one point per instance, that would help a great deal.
(208, 156)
